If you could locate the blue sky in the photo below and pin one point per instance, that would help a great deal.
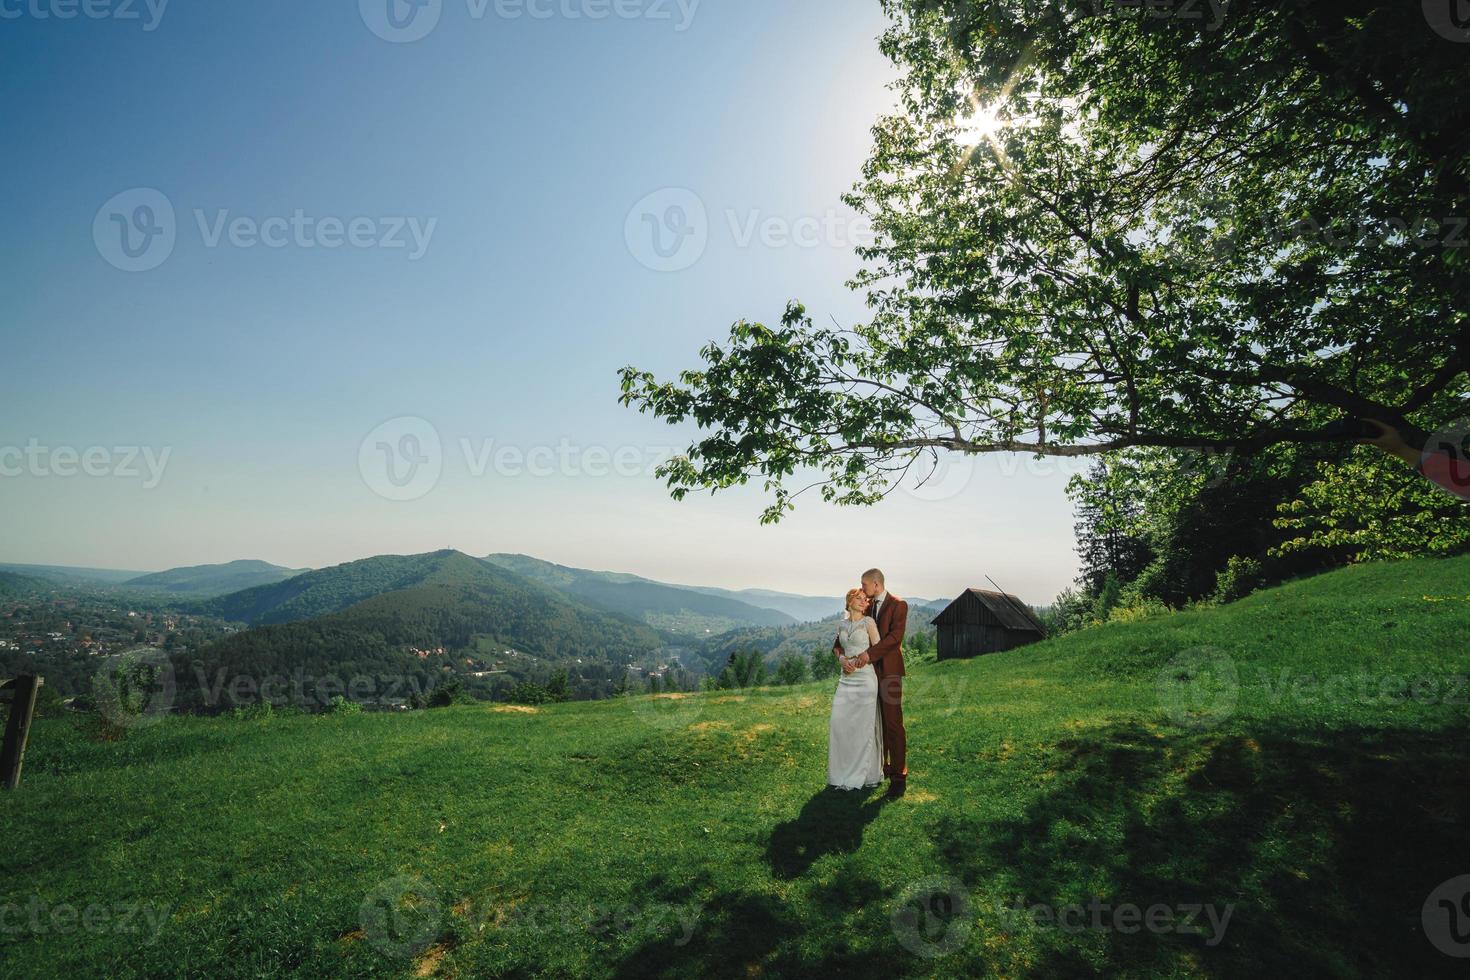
(381, 242)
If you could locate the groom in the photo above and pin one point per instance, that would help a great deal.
(886, 656)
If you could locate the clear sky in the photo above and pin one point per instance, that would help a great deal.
(261, 257)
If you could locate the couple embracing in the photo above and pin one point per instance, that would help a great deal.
(865, 738)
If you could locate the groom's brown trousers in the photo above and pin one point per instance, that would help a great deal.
(890, 702)
(887, 659)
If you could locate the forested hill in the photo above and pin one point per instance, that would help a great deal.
(454, 615)
(330, 590)
(14, 583)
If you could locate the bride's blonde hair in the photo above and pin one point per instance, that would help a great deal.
(852, 597)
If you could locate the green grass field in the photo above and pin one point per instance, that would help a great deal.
(1316, 797)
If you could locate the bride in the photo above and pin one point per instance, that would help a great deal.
(855, 733)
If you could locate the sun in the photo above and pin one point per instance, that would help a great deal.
(981, 125)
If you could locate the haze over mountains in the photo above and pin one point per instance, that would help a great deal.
(70, 575)
(689, 610)
(198, 580)
(677, 609)
(215, 579)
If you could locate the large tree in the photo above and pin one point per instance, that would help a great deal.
(1103, 225)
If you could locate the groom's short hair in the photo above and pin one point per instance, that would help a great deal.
(873, 575)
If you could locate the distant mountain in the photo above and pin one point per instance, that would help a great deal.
(802, 608)
(686, 612)
(323, 591)
(68, 575)
(802, 638)
(214, 580)
(471, 609)
(13, 584)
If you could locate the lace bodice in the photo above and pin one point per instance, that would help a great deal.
(853, 635)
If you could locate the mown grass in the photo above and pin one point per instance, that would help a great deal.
(691, 836)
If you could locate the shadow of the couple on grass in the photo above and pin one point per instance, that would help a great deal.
(831, 822)
(1323, 841)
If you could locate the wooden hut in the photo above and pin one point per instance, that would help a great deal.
(981, 621)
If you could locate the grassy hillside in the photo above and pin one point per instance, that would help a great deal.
(1294, 761)
(678, 610)
(213, 580)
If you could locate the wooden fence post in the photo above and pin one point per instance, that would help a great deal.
(22, 710)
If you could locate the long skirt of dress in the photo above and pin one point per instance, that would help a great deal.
(855, 733)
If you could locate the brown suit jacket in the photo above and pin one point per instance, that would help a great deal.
(886, 655)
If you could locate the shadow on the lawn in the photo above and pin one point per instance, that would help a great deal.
(742, 934)
(1325, 843)
(832, 822)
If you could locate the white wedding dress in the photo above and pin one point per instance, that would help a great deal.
(855, 733)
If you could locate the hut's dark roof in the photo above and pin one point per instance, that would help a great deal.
(1011, 612)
